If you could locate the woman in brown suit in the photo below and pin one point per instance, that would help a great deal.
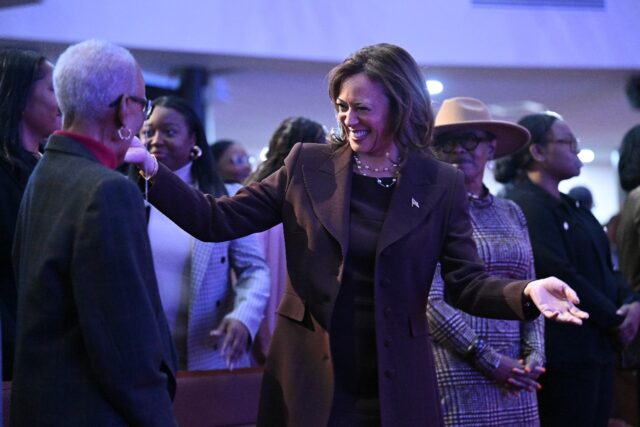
(365, 220)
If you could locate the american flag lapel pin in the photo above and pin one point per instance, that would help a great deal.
(414, 203)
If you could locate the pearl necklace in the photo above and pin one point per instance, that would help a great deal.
(364, 170)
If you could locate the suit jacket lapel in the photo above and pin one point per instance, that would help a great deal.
(329, 188)
(417, 193)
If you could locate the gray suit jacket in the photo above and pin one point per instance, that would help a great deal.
(93, 346)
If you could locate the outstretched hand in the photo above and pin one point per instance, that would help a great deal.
(556, 300)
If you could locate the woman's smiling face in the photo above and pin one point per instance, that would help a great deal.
(363, 112)
(168, 137)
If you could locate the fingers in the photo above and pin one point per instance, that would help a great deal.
(568, 317)
(235, 336)
(135, 142)
(571, 295)
(524, 383)
(575, 311)
(573, 315)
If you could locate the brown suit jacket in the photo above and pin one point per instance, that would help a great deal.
(427, 222)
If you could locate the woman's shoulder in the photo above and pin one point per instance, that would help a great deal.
(509, 208)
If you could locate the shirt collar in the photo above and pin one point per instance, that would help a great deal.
(102, 153)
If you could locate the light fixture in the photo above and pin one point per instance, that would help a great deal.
(434, 86)
(614, 158)
(586, 155)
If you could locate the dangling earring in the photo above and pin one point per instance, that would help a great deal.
(124, 133)
(195, 152)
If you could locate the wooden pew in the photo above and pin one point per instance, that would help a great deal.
(204, 398)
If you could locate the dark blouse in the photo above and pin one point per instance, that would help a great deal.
(353, 340)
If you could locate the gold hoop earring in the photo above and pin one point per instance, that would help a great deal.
(124, 133)
(195, 153)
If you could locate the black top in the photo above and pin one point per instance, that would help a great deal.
(11, 189)
(353, 340)
(570, 244)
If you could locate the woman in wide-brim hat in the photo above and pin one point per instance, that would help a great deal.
(486, 369)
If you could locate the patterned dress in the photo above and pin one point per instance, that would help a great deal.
(469, 396)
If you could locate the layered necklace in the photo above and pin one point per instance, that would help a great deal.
(393, 168)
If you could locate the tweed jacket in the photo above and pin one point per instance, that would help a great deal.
(427, 221)
(214, 296)
(470, 395)
(93, 346)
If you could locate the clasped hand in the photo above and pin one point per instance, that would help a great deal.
(516, 376)
(556, 300)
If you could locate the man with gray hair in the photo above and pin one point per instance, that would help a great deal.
(93, 346)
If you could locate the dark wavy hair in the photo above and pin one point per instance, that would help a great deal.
(512, 168)
(203, 169)
(629, 164)
(410, 114)
(19, 70)
(291, 131)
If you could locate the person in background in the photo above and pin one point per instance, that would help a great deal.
(232, 161)
(92, 343)
(628, 228)
(28, 115)
(570, 244)
(486, 368)
(626, 232)
(288, 133)
(365, 220)
(212, 320)
(583, 195)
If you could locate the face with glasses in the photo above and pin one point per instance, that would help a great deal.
(233, 164)
(134, 107)
(558, 158)
(144, 103)
(468, 150)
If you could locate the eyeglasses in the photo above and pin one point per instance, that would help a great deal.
(446, 143)
(573, 144)
(146, 104)
(239, 160)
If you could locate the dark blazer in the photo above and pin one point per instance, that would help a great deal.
(568, 242)
(93, 346)
(426, 221)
